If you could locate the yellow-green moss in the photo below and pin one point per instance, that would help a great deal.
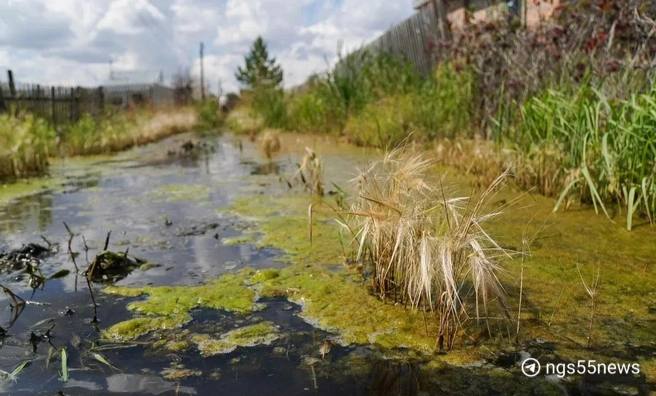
(171, 304)
(282, 223)
(333, 299)
(26, 187)
(132, 329)
(263, 333)
(177, 346)
(555, 306)
(264, 275)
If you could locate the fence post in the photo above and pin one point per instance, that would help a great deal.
(69, 99)
(53, 108)
(12, 86)
(75, 93)
(2, 101)
(101, 101)
(12, 91)
(38, 107)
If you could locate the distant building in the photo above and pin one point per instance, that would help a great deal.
(137, 87)
(461, 12)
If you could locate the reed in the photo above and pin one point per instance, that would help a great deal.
(25, 145)
(124, 130)
(423, 248)
(604, 148)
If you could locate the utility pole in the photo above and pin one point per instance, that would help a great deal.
(202, 72)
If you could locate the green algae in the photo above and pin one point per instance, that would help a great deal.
(171, 305)
(265, 275)
(26, 187)
(181, 192)
(263, 333)
(132, 329)
(555, 306)
(282, 223)
(335, 300)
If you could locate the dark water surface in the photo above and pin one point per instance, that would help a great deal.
(163, 205)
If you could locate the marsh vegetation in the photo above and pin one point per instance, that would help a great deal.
(406, 235)
(566, 107)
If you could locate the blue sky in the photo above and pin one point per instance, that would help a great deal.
(74, 41)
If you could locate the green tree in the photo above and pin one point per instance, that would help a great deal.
(259, 69)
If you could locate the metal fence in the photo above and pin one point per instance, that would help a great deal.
(63, 105)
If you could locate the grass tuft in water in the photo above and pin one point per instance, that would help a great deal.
(423, 248)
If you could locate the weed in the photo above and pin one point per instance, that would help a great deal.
(592, 290)
(270, 143)
(26, 143)
(423, 248)
(310, 172)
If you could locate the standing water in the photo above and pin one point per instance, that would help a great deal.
(168, 205)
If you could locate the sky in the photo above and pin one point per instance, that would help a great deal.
(74, 42)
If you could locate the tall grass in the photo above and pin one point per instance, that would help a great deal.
(358, 81)
(423, 247)
(26, 142)
(607, 150)
(25, 145)
(124, 130)
(437, 107)
(269, 103)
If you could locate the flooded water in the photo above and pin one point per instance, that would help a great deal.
(163, 204)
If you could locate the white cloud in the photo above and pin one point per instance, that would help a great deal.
(75, 40)
(130, 17)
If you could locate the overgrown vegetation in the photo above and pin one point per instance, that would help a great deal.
(210, 116)
(26, 142)
(569, 104)
(123, 130)
(25, 145)
(426, 249)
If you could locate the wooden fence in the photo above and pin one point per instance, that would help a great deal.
(59, 105)
(417, 39)
(65, 105)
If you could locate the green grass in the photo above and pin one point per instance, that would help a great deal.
(607, 147)
(209, 115)
(25, 145)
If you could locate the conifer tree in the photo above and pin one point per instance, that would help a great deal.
(259, 69)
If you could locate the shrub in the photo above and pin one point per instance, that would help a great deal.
(209, 115)
(269, 103)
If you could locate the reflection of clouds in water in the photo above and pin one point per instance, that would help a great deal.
(120, 202)
(86, 385)
(145, 384)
